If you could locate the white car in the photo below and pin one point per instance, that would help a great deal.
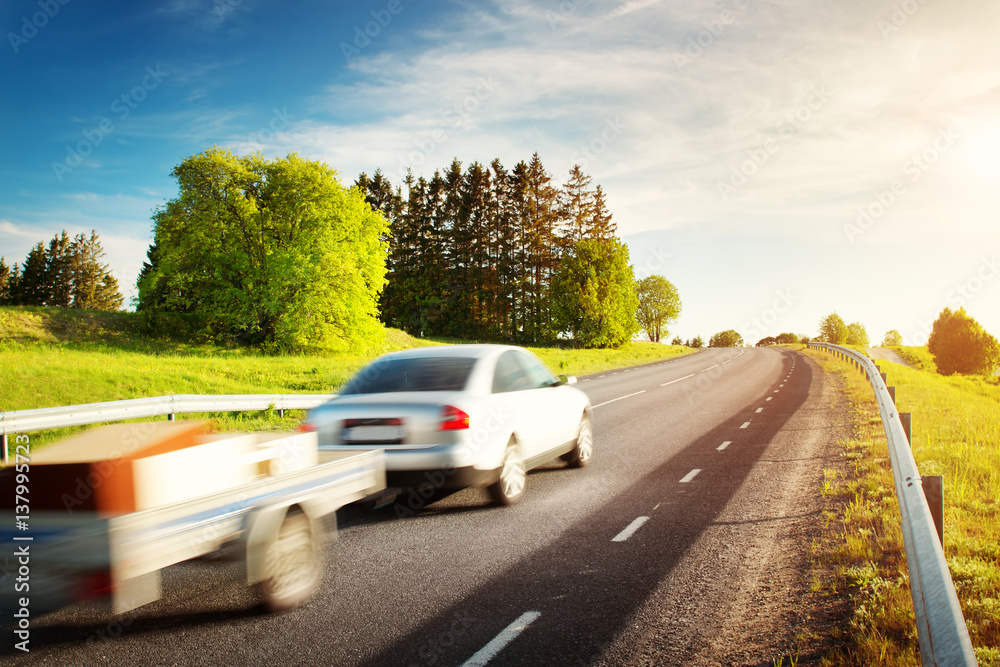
(454, 416)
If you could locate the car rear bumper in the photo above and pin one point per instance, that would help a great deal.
(440, 478)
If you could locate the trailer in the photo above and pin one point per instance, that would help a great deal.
(104, 512)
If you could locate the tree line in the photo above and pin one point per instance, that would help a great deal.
(488, 253)
(67, 273)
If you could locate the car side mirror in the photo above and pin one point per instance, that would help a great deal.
(567, 379)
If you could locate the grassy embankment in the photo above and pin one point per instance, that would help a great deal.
(51, 357)
(956, 433)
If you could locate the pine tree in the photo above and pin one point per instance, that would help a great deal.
(576, 207)
(60, 270)
(33, 286)
(94, 288)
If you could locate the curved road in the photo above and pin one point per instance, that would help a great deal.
(651, 555)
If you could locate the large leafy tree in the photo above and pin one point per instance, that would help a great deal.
(833, 329)
(856, 334)
(892, 338)
(276, 252)
(593, 294)
(959, 344)
(659, 304)
(727, 338)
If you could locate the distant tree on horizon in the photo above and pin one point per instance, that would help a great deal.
(833, 329)
(659, 304)
(892, 338)
(959, 344)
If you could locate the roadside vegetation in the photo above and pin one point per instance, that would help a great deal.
(956, 433)
(61, 356)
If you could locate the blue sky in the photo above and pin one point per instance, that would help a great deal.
(776, 160)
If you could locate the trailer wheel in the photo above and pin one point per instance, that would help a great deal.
(293, 564)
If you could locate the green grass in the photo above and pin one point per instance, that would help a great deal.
(52, 357)
(956, 433)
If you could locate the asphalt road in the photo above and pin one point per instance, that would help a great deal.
(637, 559)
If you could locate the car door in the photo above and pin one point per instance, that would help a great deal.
(514, 395)
(557, 423)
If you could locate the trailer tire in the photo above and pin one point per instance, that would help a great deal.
(293, 564)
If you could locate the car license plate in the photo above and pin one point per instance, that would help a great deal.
(376, 433)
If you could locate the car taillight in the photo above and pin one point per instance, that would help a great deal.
(453, 419)
(306, 427)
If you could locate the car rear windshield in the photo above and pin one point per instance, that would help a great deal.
(412, 374)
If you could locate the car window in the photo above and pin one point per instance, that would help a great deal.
(509, 374)
(412, 374)
(538, 374)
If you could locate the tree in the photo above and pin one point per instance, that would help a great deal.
(892, 338)
(832, 329)
(276, 253)
(5, 281)
(60, 270)
(959, 344)
(677, 341)
(786, 339)
(697, 343)
(856, 335)
(33, 286)
(593, 294)
(659, 304)
(767, 341)
(728, 338)
(93, 286)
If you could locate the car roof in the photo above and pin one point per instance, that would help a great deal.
(473, 350)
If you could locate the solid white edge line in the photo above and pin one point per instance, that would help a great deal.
(506, 636)
(677, 380)
(691, 475)
(630, 529)
(724, 445)
(618, 399)
(708, 369)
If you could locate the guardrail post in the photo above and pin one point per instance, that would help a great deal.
(170, 416)
(884, 377)
(934, 493)
(904, 419)
(6, 455)
(892, 394)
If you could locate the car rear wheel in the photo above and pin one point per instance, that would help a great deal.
(583, 451)
(510, 487)
(293, 565)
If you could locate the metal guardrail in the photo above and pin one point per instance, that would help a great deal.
(26, 421)
(943, 635)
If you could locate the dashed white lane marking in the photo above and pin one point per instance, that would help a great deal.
(691, 475)
(630, 529)
(782, 384)
(769, 398)
(618, 399)
(775, 391)
(708, 369)
(745, 424)
(677, 380)
(724, 445)
(600, 376)
(760, 410)
(506, 636)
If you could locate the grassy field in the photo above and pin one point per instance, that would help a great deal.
(51, 357)
(956, 433)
